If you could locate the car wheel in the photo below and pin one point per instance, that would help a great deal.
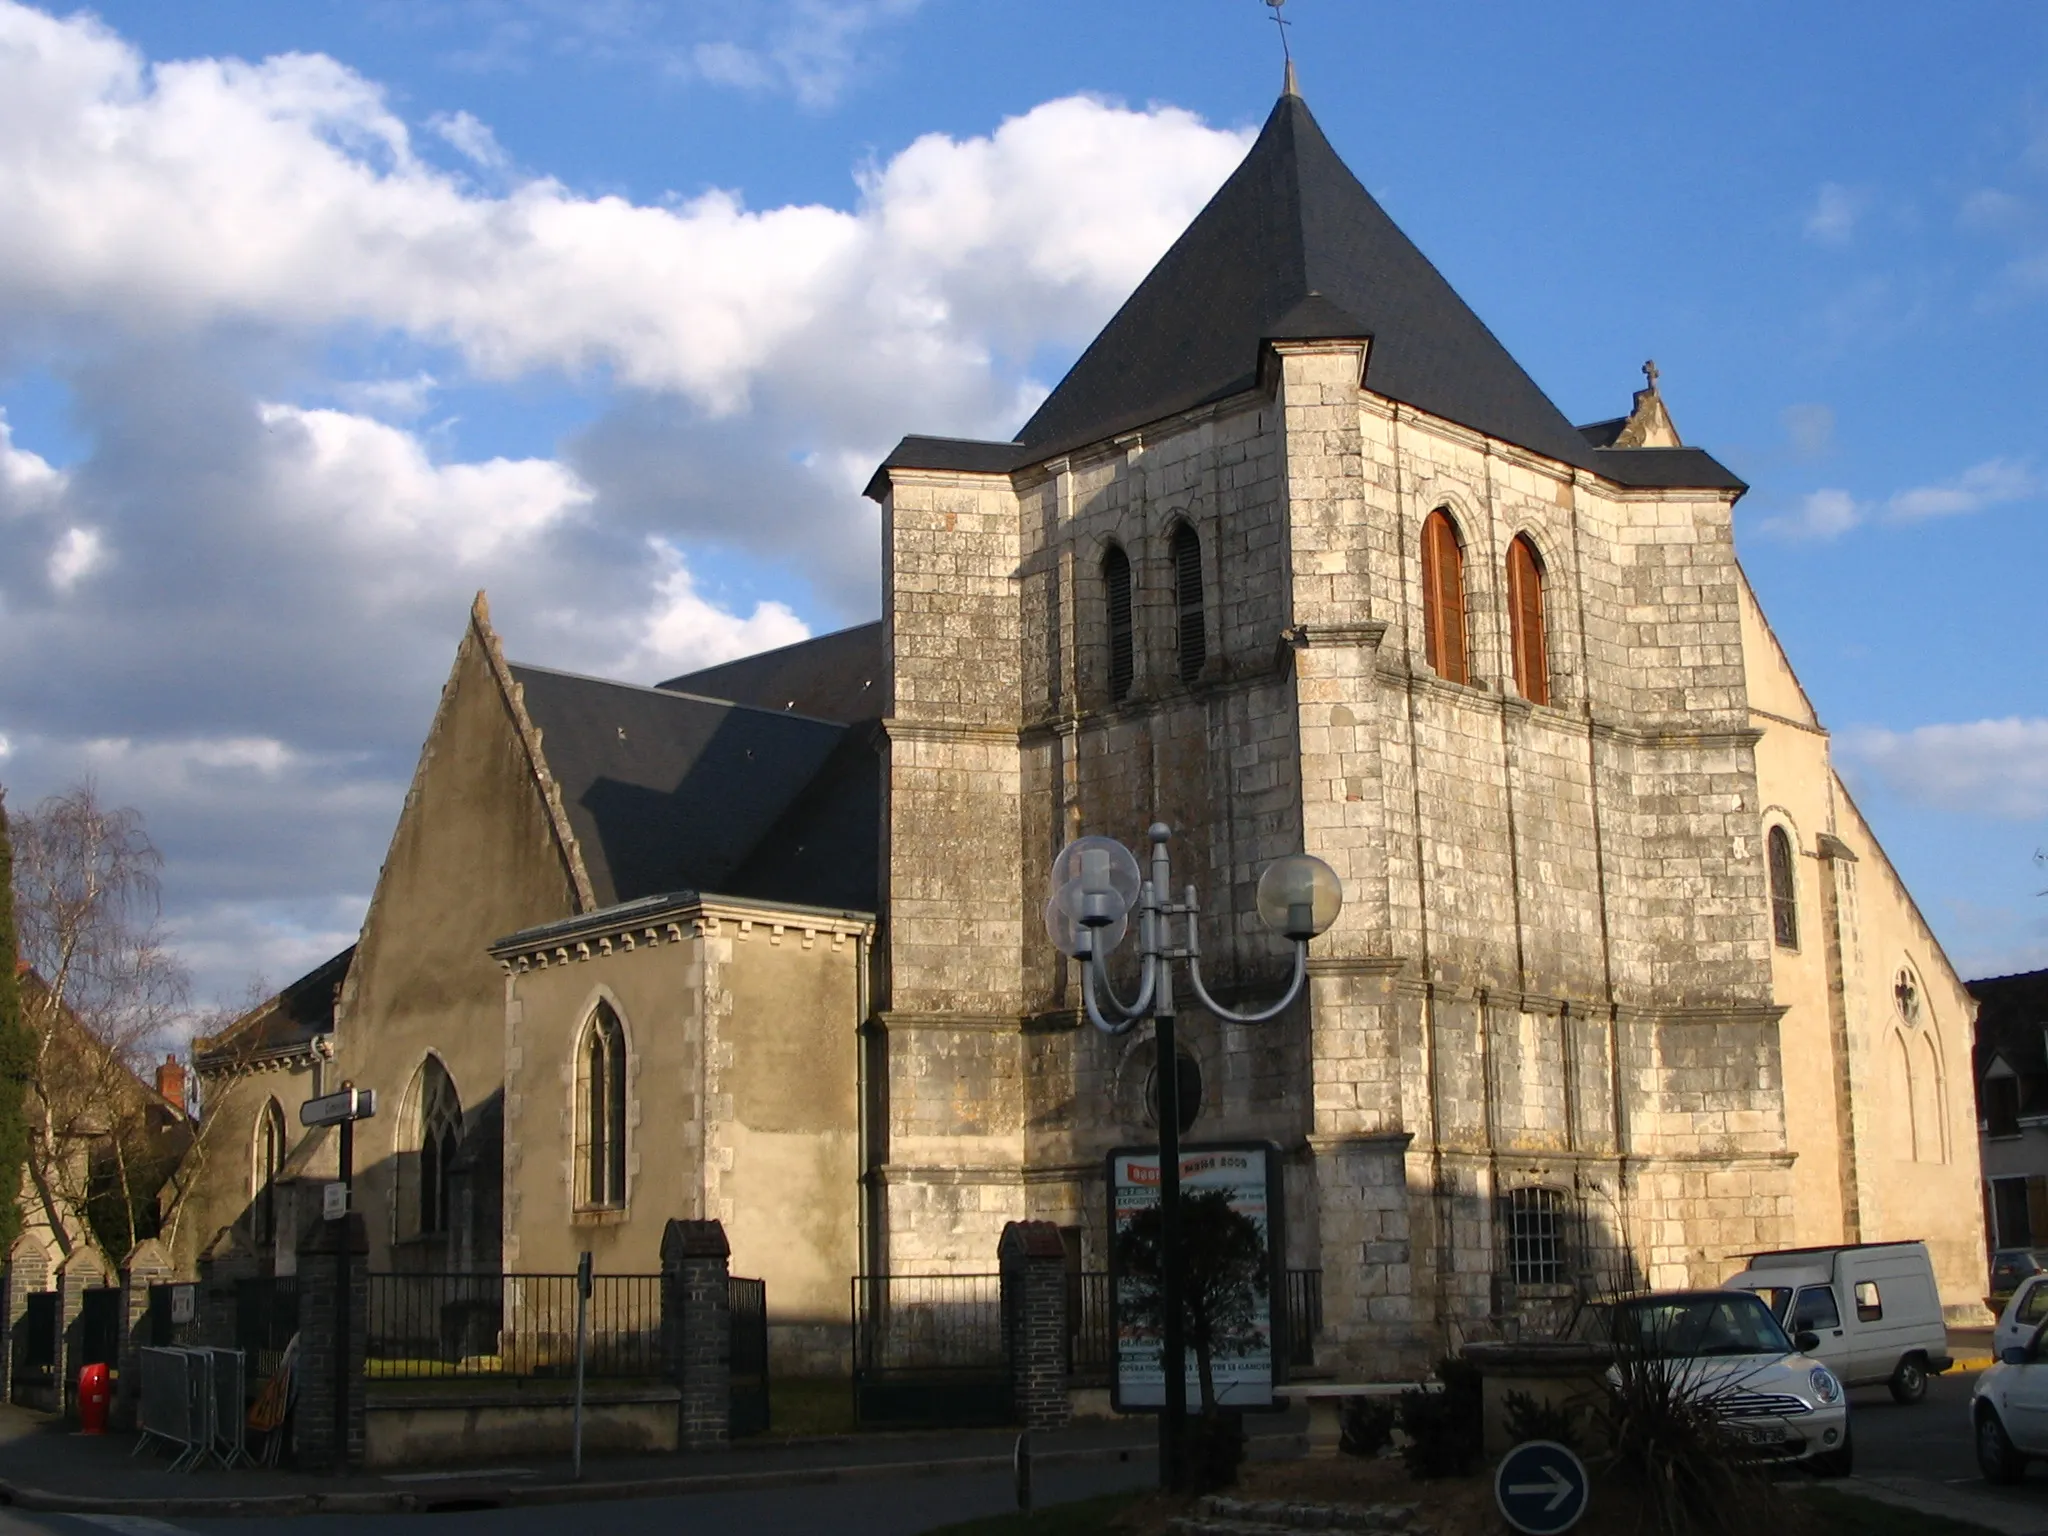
(1996, 1458)
(1839, 1462)
(1909, 1381)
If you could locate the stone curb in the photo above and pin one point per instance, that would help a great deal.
(505, 1496)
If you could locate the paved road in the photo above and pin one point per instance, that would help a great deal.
(1930, 1444)
(894, 1508)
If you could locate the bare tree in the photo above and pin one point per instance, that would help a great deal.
(102, 990)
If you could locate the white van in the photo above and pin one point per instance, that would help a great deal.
(1872, 1309)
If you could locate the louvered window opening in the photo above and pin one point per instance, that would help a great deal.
(1784, 890)
(603, 1111)
(1187, 587)
(1116, 581)
(1536, 1222)
(1526, 622)
(1443, 599)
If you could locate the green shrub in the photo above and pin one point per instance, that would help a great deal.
(1525, 1418)
(1667, 1440)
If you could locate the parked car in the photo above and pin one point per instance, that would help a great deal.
(2025, 1311)
(1736, 1358)
(2009, 1410)
(1872, 1308)
(2010, 1267)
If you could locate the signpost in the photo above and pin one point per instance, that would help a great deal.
(582, 1348)
(341, 1109)
(1243, 1376)
(1541, 1488)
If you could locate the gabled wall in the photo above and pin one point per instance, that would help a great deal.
(479, 852)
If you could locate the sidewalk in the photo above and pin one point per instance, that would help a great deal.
(45, 1466)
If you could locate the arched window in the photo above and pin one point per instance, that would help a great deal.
(266, 1163)
(1907, 1135)
(1443, 599)
(1534, 1223)
(1784, 889)
(440, 1133)
(601, 1112)
(1930, 1104)
(1525, 621)
(1187, 594)
(1116, 584)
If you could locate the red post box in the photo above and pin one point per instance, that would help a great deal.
(93, 1397)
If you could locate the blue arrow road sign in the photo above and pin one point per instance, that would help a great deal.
(1541, 1488)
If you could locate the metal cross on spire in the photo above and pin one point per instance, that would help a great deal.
(1286, 52)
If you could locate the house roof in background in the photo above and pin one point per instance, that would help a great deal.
(2012, 1022)
(283, 1023)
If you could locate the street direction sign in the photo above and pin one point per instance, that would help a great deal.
(334, 1108)
(1540, 1487)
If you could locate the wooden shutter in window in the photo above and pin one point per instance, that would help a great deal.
(1187, 585)
(1116, 580)
(1525, 622)
(1443, 599)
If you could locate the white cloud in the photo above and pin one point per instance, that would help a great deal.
(1985, 767)
(814, 48)
(469, 137)
(1989, 484)
(1810, 426)
(1822, 514)
(1832, 218)
(1832, 512)
(286, 557)
(684, 632)
(1989, 210)
(6, 747)
(79, 553)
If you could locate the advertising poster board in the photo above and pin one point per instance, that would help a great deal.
(1243, 1368)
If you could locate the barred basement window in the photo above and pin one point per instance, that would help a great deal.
(1784, 893)
(1116, 583)
(1443, 599)
(601, 1113)
(1187, 591)
(1535, 1221)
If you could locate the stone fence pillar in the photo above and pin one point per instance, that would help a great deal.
(321, 1439)
(696, 1319)
(82, 1272)
(146, 1265)
(1034, 1269)
(28, 1270)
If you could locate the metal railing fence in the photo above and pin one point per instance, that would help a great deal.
(266, 1317)
(448, 1325)
(928, 1322)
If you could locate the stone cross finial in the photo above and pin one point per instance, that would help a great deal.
(1650, 372)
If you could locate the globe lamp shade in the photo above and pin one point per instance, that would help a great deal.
(1096, 880)
(1299, 896)
(1072, 939)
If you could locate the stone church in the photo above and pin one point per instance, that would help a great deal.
(1296, 556)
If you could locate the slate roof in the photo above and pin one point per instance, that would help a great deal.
(284, 1023)
(668, 791)
(832, 677)
(1293, 247)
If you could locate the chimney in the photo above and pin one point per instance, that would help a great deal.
(170, 1082)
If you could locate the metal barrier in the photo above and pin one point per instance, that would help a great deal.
(446, 1325)
(192, 1400)
(227, 1372)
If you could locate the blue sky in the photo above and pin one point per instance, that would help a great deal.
(316, 318)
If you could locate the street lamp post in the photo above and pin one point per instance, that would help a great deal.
(1096, 887)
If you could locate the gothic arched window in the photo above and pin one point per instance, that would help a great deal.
(266, 1163)
(601, 1112)
(440, 1133)
(1443, 599)
(1187, 594)
(1525, 621)
(1784, 889)
(1116, 586)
